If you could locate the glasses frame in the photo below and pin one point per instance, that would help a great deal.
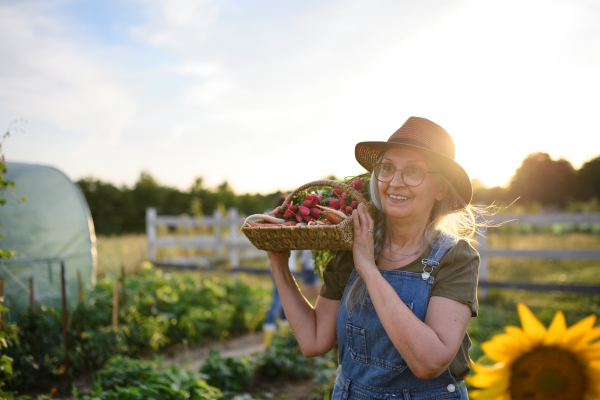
(401, 174)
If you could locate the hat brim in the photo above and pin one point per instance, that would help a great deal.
(367, 153)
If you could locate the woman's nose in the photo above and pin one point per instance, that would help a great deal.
(397, 180)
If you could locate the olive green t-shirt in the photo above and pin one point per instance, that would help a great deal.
(455, 278)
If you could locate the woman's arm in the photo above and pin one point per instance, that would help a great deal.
(427, 347)
(314, 327)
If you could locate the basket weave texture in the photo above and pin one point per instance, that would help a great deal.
(319, 237)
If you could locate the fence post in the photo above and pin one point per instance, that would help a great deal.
(1, 302)
(63, 285)
(483, 266)
(151, 232)
(234, 255)
(79, 287)
(32, 294)
(217, 220)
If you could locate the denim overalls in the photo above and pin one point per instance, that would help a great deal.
(370, 366)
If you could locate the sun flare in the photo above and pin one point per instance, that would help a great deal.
(536, 363)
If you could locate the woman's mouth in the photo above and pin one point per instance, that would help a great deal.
(397, 197)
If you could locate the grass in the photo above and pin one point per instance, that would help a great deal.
(114, 252)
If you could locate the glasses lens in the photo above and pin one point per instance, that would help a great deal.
(384, 172)
(413, 176)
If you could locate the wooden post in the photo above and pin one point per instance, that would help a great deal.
(217, 221)
(1, 302)
(234, 255)
(123, 290)
(32, 294)
(483, 266)
(79, 287)
(151, 233)
(63, 284)
(115, 316)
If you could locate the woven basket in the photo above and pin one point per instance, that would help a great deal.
(319, 237)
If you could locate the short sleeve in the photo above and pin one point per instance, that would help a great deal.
(336, 275)
(458, 276)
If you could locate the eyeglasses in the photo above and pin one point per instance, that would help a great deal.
(411, 176)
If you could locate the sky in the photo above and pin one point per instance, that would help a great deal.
(270, 95)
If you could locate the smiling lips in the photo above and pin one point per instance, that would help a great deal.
(398, 197)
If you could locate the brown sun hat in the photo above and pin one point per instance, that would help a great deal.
(428, 138)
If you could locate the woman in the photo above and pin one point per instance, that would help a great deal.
(399, 304)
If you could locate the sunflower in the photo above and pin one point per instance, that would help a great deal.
(535, 363)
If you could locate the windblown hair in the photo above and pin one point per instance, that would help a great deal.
(451, 216)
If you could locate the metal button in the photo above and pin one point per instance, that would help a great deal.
(451, 388)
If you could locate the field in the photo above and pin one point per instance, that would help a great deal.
(179, 315)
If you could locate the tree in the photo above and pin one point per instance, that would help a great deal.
(588, 180)
(541, 179)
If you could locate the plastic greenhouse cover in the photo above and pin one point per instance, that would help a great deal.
(53, 225)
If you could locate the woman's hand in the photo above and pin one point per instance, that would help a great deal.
(279, 259)
(363, 248)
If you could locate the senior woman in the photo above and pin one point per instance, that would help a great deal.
(399, 304)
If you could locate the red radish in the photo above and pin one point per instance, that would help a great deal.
(343, 205)
(307, 218)
(337, 192)
(293, 208)
(334, 203)
(307, 202)
(304, 210)
(354, 204)
(348, 210)
(299, 217)
(358, 184)
(288, 214)
(315, 212)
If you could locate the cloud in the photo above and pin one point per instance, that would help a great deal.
(49, 74)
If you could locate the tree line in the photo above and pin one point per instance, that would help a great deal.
(539, 180)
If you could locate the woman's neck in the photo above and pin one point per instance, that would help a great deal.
(400, 235)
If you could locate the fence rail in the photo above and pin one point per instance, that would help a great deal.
(224, 244)
(238, 248)
(543, 219)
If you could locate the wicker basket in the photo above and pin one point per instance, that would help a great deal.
(319, 237)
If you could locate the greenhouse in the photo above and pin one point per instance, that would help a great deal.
(51, 226)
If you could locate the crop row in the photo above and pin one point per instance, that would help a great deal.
(156, 310)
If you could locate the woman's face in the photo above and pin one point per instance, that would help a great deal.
(413, 203)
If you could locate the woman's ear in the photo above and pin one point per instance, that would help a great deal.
(441, 193)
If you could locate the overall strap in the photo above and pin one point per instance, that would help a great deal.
(440, 248)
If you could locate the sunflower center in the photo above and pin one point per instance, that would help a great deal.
(547, 373)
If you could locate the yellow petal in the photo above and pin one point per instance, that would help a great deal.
(556, 330)
(590, 336)
(484, 380)
(495, 392)
(577, 331)
(520, 336)
(591, 353)
(502, 348)
(531, 325)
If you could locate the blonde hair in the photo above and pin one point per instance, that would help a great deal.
(450, 216)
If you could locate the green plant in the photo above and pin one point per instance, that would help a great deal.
(227, 373)
(284, 360)
(129, 379)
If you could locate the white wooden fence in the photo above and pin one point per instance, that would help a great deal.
(543, 219)
(229, 245)
(236, 248)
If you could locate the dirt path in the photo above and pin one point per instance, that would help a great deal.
(192, 359)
